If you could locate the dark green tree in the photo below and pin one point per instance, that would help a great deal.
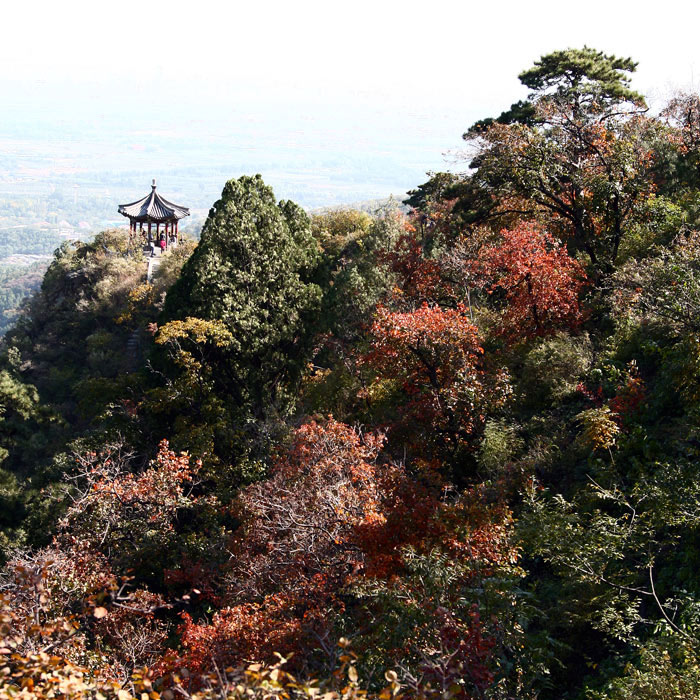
(18, 403)
(436, 188)
(589, 79)
(252, 270)
(520, 112)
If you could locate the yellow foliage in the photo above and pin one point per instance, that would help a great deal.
(196, 329)
(140, 297)
(599, 428)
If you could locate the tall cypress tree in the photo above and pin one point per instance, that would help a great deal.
(252, 271)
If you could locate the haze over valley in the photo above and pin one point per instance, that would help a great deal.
(67, 157)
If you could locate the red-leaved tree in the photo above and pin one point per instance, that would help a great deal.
(333, 521)
(435, 357)
(540, 281)
(295, 550)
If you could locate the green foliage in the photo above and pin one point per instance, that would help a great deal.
(238, 332)
(583, 75)
(17, 282)
(196, 349)
(666, 289)
(577, 156)
(552, 369)
(520, 112)
(338, 229)
(499, 445)
(12, 512)
(662, 671)
(251, 271)
(18, 403)
(354, 274)
(73, 345)
(660, 220)
(435, 189)
(616, 550)
(27, 240)
(171, 264)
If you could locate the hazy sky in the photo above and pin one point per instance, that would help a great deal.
(373, 71)
(465, 51)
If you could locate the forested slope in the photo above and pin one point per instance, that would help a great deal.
(446, 454)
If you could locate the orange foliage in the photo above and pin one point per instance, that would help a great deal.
(630, 397)
(419, 278)
(295, 550)
(330, 514)
(540, 281)
(436, 357)
(123, 513)
(247, 631)
(299, 524)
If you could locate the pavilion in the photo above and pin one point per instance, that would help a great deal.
(154, 209)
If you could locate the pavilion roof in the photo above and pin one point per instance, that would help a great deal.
(153, 207)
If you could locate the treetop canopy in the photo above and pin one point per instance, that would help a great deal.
(583, 72)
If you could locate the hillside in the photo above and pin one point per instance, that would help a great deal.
(445, 451)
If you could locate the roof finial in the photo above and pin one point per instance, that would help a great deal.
(154, 183)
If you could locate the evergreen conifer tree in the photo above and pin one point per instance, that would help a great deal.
(252, 271)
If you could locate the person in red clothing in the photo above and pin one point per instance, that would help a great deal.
(162, 243)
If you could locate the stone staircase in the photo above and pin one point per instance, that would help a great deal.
(134, 343)
(133, 350)
(153, 264)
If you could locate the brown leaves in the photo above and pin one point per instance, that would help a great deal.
(299, 524)
(117, 510)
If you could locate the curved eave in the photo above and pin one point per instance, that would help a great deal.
(153, 208)
(155, 219)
